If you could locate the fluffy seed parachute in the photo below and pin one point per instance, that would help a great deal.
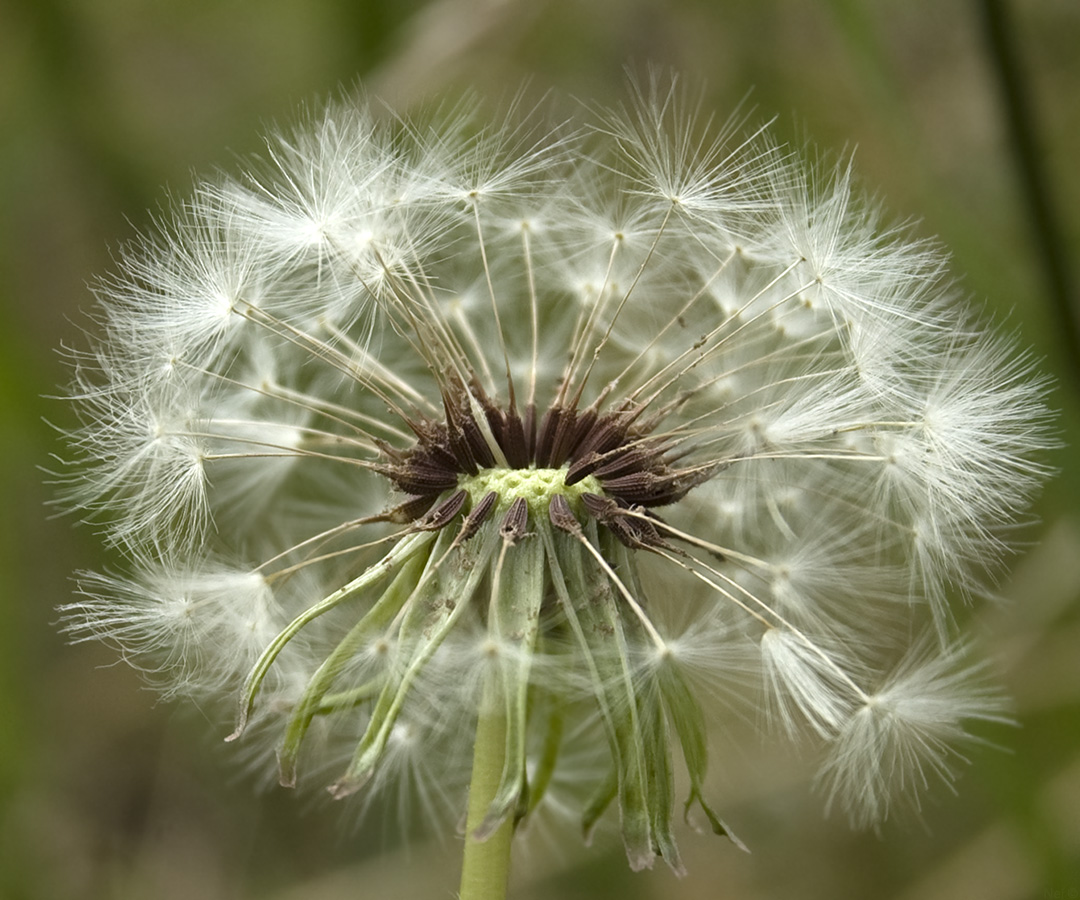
(420, 426)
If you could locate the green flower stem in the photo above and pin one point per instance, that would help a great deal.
(486, 867)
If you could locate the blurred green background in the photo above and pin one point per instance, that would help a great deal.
(107, 104)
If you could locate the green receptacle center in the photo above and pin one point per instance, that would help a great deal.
(536, 486)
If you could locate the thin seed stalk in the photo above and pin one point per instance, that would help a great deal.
(486, 867)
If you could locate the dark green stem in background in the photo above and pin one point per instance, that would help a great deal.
(999, 33)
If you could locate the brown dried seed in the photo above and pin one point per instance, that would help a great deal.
(515, 521)
(561, 516)
(476, 517)
(513, 441)
(419, 477)
(444, 513)
(600, 508)
(545, 438)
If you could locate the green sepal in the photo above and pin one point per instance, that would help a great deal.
(514, 619)
(438, 601)
(313, 699)
(592, 611)
(598, 804)
(654, 736)
(551, 712)
(372, 575)
(350, 698)
(689, 723)
(657, 752)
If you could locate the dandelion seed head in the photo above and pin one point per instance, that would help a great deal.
(592, 429)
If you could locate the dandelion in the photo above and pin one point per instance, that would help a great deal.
(472, 460)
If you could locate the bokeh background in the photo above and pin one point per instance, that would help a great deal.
(108, 105)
